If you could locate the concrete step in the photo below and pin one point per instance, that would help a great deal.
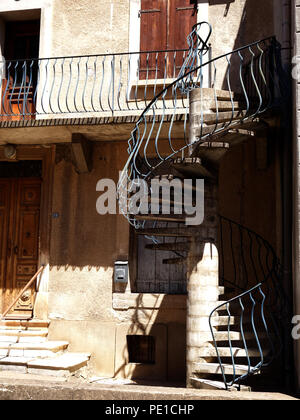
(175, 261)
(199, 383)
(60, 366)
(23, 324)
(226, 352)
(214, 368)
(211, 152)
(175, 246)
(220, 321)
(42, 349)
(192, 167)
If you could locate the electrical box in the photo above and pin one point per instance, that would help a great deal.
(121, 272)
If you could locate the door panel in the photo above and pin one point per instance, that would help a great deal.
(182, 17)
(153, 37)
(21, 259)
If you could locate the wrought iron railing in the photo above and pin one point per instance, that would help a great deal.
(257, 314)
(93, 86)
(248, 79)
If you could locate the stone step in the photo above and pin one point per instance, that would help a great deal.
(211, 152)
(220, 321)
(210, 118)
(171, 246)
(183, 232)
(224, 336)
(176, 218)
(24, 324)
(60, 366)
(226, 352)
(42, 349)
(214, 368)
(23, 332)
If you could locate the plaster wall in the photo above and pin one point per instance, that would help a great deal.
(83, 304)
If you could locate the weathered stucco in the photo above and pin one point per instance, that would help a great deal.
(81, 301)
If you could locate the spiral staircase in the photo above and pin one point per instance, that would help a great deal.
(242, 336)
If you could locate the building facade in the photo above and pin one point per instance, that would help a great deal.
(76, 79)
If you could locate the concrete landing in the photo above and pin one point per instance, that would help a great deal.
(16, 386)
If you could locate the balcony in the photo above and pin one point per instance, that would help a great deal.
(89, 90)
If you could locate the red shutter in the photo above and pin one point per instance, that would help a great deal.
(165, 24)
(153, 15)
(182, 17)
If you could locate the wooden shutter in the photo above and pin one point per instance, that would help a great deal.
(182, 17)
(153, 15)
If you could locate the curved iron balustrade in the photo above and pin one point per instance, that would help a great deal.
(68, 90)
(249, 75)
(260, 311)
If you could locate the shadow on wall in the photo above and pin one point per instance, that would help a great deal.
(151, 345)
(80, 237)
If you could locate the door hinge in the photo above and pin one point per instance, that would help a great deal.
(148, 11)
(186, 8)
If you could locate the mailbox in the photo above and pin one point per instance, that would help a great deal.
(121, 272)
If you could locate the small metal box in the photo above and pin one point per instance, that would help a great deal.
(121, 272)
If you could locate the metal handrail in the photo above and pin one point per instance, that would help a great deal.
(146, 134)
(31, 281)
(261, 307)
(90, 86)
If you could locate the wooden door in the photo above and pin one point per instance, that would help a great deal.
(21, 45)
(165, 25)
(154, 22)
(19, 235)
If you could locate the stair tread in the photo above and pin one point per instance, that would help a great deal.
(65, 361)
(23, 333)
(209, 383)
(215, 368)
(226, 352)
(46, 345)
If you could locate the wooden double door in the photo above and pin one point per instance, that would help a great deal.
(20, 200)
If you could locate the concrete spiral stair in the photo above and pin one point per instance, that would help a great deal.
(25, 348)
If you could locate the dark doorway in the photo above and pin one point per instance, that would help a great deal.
(21, 52)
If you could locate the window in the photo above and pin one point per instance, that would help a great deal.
(141, 349)
(18, 88)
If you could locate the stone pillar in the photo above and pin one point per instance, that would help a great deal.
(202, 280)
